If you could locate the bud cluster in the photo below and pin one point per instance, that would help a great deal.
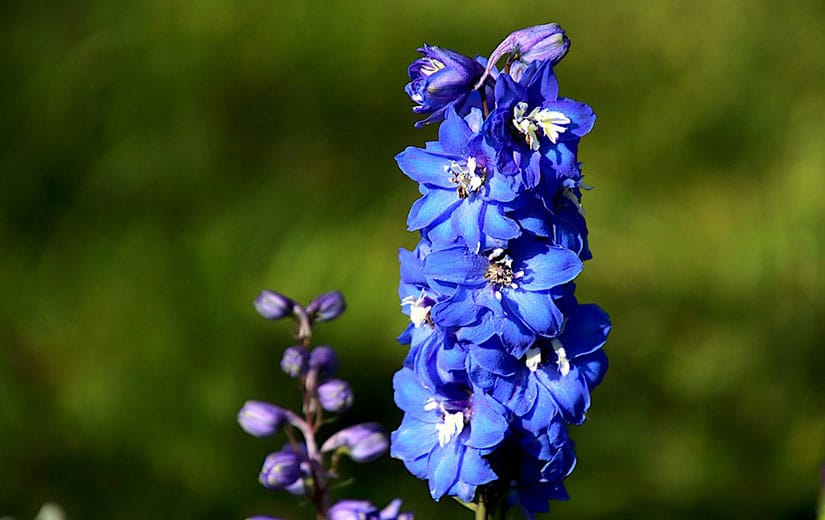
(303, 466)
(502, 356)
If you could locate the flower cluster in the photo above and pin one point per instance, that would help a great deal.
(502, 357)
(302, 466)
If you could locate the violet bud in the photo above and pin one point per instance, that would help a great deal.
(538, 43)
(280, 469)
(295, 361)
(261, 419)
(362, 442)
(272, 305)
(335, 395)
(440, 79)
(323, 359)
(327, 307)
(364, 510)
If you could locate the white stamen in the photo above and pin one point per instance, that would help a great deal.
(419, 310)
(561, 355)
(549, 121)
(431, 66)
(533, 359)
(452, 424)
(466, 177)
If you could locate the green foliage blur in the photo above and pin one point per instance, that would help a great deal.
(162, 161)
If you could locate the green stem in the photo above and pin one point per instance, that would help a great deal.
(481, 511)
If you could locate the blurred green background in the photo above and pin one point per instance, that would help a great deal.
(162, 161)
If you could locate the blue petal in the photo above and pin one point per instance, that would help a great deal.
(569, 391)
(413, 439)
(487, 426)
(593, 367)
(475, 470)
(585, 330)
(428, 208)
(444, 465)
(456, 265)
(537, 310)
(581, 116)
(457, 311)
(546, 270)
(466, 221)
(454, 133)
(497, 225)
(410, 395)
(426, 167)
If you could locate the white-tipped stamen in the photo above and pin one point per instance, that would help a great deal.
(533, 359)
(562, 362)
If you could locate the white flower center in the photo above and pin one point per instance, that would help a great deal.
(533, 359)
(561, 357)
(451, 423)
(419, 308)
(466, 177)
(549, 121)
(500, 272)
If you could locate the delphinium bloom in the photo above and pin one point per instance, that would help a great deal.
(502, 356)
(303, 466)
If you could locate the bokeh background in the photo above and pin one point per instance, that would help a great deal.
(163, 161)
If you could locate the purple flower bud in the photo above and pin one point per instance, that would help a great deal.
(363, 510)
(323, 359)
(335, 395)
(440, 79)
(295, 361)
(261, 419)
(327, 307)
(280, 469)
(362, 442)
(273, 306)
(538, 43)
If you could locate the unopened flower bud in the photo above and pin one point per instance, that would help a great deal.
(295, 361)
(280, 469)
(326, 307)
(272, 305)
(362, 442)
(324, 360)
(335, 395)
(538, 43)
(440, 79)
(364, 510)
(261, 419)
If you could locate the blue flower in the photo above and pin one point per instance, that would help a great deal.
(445, 434)
(441, 79)
(508, 293)
(462, 191)
(555, 375)
(532, 128)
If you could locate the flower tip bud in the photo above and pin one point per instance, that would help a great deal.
(295, 361)
(261, 419)
(327, 307)
(272, 305)
(541, 42)
(335, 395)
